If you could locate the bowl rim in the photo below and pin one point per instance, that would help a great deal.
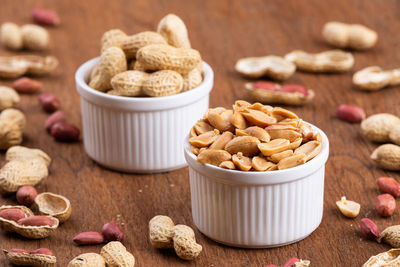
(141, 103)
(261, 178)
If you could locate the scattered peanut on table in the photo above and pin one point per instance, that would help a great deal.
(328, 61)
(343, 35)
(273, 93)
(29, 36)
(348, 208)
(374, 78)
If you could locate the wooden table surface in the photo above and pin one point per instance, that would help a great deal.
(223, 31)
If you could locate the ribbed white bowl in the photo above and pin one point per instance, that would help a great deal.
(139, 134)
(258, 209)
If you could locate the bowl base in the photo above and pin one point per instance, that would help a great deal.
(127, 170)
(258, 246)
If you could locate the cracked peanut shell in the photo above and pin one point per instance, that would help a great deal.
(87, 260)
(31, 232)
(54, 205)
(26, 259)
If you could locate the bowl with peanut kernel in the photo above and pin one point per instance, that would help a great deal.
(256, 175)
(141, 96)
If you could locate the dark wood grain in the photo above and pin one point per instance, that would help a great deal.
(223, 31)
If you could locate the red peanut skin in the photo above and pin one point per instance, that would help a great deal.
(18, 250)
(369, 229)
(64, 132)
(53, 119)
(36, 221)
(49, 102)
(26, 195)
(294, 88)
(350, 113)
(12, 214)
(45, 17)
(112, 232)
(290, 262)
(88, 238)
(269, 86)
(42, 251)
(27, 86)
(385, 205)
(389, 185)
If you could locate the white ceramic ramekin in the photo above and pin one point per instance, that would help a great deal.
(139, 134)
(258, 209)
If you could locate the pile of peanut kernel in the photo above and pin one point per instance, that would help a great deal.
(253, 137)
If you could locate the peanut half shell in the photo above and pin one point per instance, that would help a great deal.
(87, 260)
(54, 205)
(26, 259)
(328, 61)
(389, 258)
(32, 232)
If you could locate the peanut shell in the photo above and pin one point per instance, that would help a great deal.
(185, 243)
(373, 78)
(8, 97)
(34, 37)
(116, 255)
(165, 57)
(389, 258)
(394, 134)
(31, 232)
(173, 29)
(192, 79)
(272, 66)
(131, 44)
(114, 37)
(163, 83)
(377, 127)
(161, 231)
(26, 259)
(23, 153)
(387, 157)
(112, 62)
(87, 260)
(15, 66)
(10, 36)
(18, 173)
(391, 236)
(328, 61)
(54, 205)
(129, 83)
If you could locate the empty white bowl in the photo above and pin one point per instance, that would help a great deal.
(258, 209)
(139, 134)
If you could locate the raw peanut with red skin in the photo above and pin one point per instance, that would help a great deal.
(88, 238)
(291, 262)
(294, 88)
(49, 102)
(269, 86)
(26, 85)
(385, 205)
(53, 119)
(26, 195)
(112, 232)
(36, 221)
(389, 185)
(369, 228)
(43, 251)
(18, 250)
(65, 132)
(12, 214)
(45, 16)
(350, 113)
